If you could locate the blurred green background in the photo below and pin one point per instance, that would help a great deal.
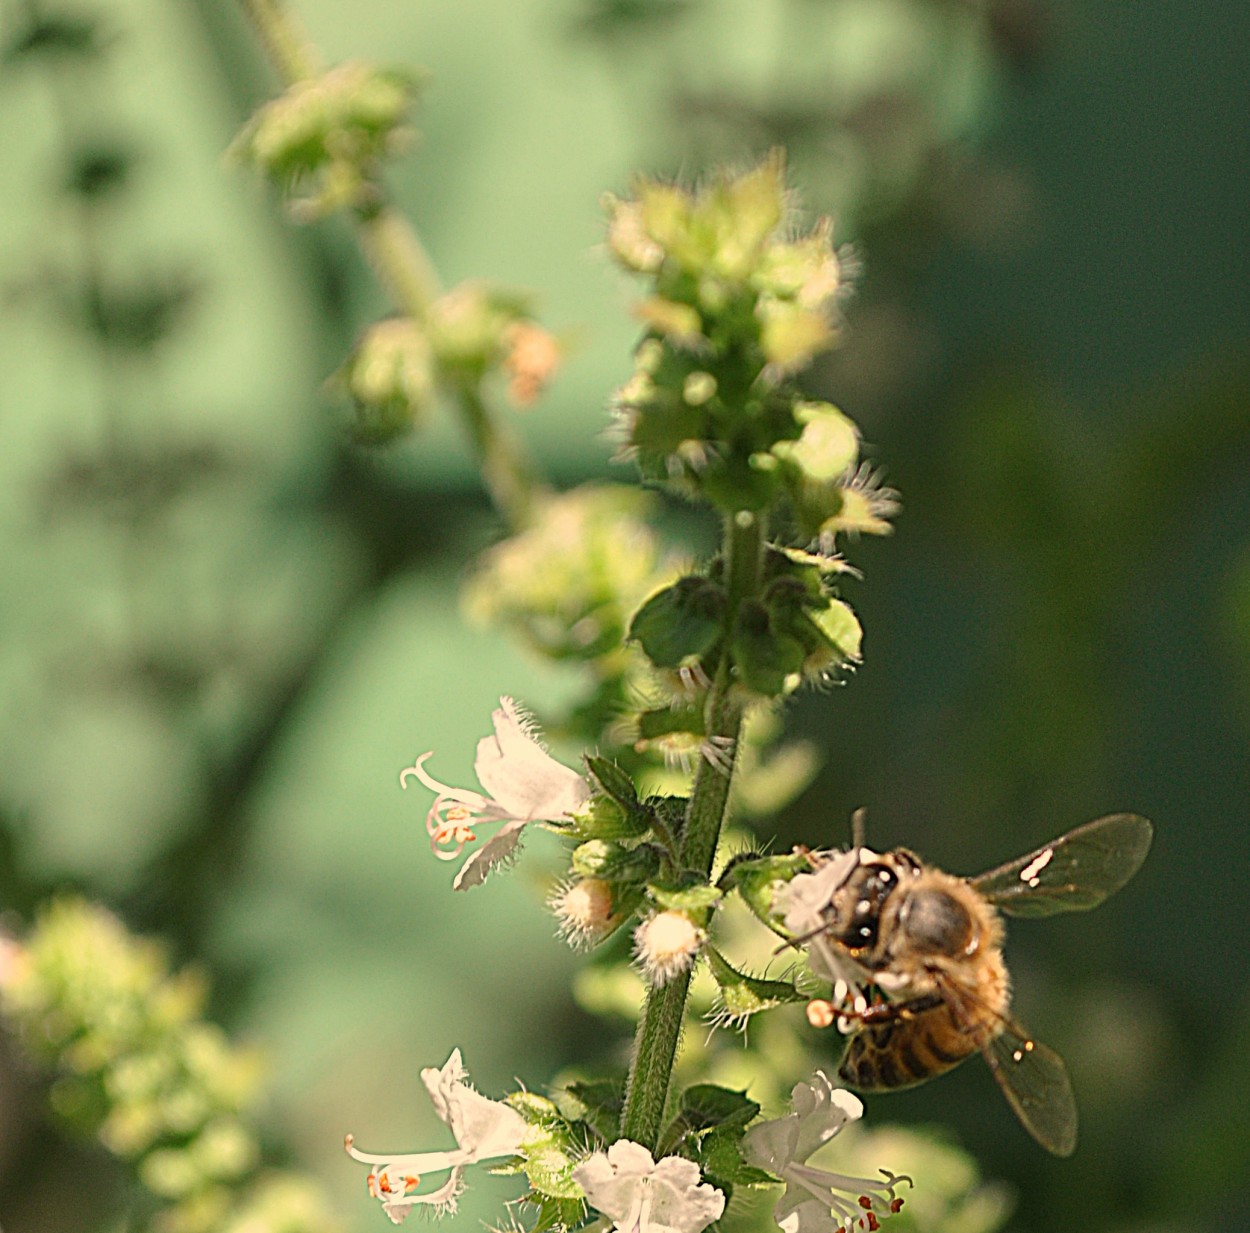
(224, 630)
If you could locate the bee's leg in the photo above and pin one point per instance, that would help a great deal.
(888, 1012)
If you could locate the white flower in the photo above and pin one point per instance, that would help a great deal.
(524, 783)
(666, 944)
(484, 1130)
(640, 1196)
(816, 1200)
(804, 903)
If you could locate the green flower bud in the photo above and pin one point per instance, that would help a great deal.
(628, 240)
(569, 581)
(604, 818)
(614, 862)
(468, 328)
(679, 323)
(757, 879)
(697, 388)
(339, 121)
(791, 336)
(768, 661)
(390, 379)
(806, 270)
(842, 634)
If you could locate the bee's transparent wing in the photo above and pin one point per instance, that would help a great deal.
(1072, 873)
(1035, 1082)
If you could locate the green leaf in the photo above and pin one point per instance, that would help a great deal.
(706, 1105)
(598, 1103)
(554, 1213)
(535, 1109)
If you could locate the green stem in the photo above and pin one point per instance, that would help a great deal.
(397, 256)
(510, 479)
(399, 259)
(659, 1026)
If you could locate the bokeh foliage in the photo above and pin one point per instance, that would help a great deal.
(224, 629)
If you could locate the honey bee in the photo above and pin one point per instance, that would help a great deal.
(916, 959)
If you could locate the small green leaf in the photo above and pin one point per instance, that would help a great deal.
(556, 1214)
(535, 1109)
(706, 1105)
(598, 1103)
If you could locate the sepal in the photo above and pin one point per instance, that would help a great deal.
(757, 879)
(682, 622)
(742, 995)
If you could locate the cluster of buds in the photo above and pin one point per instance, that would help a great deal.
(321, 138)
(738, 307)
(569, 582)
(399, 365)
(796, 630)
(137, 1065)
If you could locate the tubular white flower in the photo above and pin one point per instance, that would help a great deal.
(484, 1130)
(523, 783)
(640, 1196)
(817, 1200)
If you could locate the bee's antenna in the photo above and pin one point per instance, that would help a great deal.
(859, 826)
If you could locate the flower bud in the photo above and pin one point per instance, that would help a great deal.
(679, 323)
(791, 336)
(586, 911)
(757, 879)
(532, 356)
(828, 445)
(768, 661)
(390, 379)
(666, 944)
(614, 862)
(345, 117)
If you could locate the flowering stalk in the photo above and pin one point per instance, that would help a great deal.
(659, 1026)
(395, 252)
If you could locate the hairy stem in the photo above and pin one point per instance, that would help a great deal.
(659, 1026)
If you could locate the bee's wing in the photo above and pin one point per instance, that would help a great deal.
(1035, 1082)
(1074, 872)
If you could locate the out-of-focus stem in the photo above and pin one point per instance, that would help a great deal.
(293, 55)
(398, 258)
